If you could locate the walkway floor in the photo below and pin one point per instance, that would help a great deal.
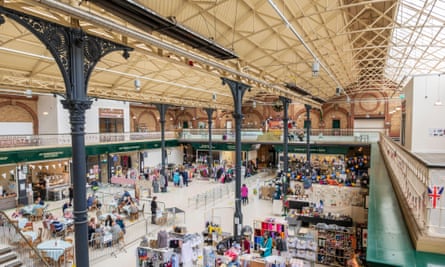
(195, 218)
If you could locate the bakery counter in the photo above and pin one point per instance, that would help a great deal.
(8, 202)
(55, 192)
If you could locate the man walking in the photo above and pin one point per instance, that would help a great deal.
(154, 208)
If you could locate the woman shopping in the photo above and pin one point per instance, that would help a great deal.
(266, 246)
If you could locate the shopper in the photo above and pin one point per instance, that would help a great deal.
(185, 177)
(71, 194)
(245, 245)
(154, 208)
(244, 194)
(176, 178)
(266, 246)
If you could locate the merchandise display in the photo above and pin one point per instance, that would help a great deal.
(301, 242)
(335, 244)
(273, 226)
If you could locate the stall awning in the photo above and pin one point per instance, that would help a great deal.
(44, 154)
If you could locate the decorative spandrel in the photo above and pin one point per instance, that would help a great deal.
(60, 39)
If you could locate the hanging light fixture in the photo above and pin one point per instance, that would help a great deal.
(137, 85)
(315, 68)
(438, 101)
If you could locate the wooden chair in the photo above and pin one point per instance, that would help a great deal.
(46, 229)
(54, 233)
(38, 239)
(24, 243)
(141, 211)
(29, 226)
(38, 214)
(48, 259)
(134, 216)
(69, 254)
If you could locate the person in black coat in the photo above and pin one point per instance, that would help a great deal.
(154, 208)
(71, 194)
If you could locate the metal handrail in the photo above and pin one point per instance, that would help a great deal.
(23, 238)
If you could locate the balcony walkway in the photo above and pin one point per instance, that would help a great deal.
(389, 243)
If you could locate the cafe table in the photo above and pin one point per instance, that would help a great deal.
(104, 216)
(54, 248)
(31, 234)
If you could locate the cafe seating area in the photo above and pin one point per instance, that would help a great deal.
(46, 232)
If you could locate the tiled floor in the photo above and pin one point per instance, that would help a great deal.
(195, 218)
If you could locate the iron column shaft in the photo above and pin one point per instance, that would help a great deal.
(238, 89)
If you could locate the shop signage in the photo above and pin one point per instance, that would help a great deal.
(41, 154)
(222, 146)
(111, 113)
(317, 149)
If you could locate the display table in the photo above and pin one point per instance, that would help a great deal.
(174, 211)
(298, 204)
(56, 192)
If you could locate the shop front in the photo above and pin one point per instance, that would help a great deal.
(8, 187)
(120, 163)
(46, 172)
(32, 173)
(223, 155)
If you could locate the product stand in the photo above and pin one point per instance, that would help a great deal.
(275, 228)
(301, 244)
(181, 250)
(188, 249)
(155, 257)
(335, 244)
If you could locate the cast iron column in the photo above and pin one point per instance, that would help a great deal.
(76, 53)
(162, 108)
(308, 133)
(286, 102)
(209, 120)
(238, 89)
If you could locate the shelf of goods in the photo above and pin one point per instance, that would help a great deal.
(275, 228)
(335, 244)
(302, 244)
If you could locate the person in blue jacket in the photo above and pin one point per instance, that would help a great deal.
(266, 246)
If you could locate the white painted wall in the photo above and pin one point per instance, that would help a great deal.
(409, 96)
(92, 115)
(16, 128)
(252, 155)
(423, 116)
(153, 157)
(374, 124)
(63, 118)
(48, 124)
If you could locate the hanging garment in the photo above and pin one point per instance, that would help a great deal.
(174, 261)
(162, 241)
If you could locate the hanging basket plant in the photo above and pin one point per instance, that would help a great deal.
(277, 106)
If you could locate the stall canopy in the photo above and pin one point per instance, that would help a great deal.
(42, 154)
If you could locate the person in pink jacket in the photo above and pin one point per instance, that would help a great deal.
(244, 194)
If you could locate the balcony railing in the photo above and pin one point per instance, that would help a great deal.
(15, 141)
(336, 135)
(412, 177)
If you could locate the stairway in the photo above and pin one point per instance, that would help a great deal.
(8, 258)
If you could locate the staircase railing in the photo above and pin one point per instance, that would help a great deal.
(10, 234)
